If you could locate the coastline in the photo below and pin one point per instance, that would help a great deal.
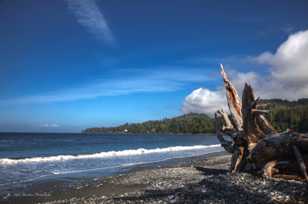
(183, 180)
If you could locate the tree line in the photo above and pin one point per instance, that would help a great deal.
(283, 114)
(288, 114)
(189, 123)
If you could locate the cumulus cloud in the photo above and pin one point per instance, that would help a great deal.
(203, 100)
(288, 68)
(286, 77)
(89, 16)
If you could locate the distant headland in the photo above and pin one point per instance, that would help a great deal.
(283, 114)
(189, 123)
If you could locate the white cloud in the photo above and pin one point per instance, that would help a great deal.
(288, 70)
(286, 77)
(89, 16)
(203, 100)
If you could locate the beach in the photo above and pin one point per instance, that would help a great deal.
(200, 179)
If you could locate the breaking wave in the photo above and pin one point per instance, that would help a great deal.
(109, 154)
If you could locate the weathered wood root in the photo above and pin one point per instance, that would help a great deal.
(222, 125)
(234, 101)
(300, 162)
(238, 160)
(269, 169)
(254, 143)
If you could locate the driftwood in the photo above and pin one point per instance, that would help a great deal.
(254, 144)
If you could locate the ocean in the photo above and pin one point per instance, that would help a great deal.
(28, 157)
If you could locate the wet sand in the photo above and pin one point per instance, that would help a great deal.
(202, 179)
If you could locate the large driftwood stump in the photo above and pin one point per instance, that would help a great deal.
(254, 144)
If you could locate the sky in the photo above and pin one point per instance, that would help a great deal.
(66, 65)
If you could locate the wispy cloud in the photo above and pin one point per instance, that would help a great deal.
(162, 79)
(50, 125)
(89, 16)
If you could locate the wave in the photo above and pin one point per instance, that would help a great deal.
(109, 154)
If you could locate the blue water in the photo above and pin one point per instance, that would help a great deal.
(28, 157)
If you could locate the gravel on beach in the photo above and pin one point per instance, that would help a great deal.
(203, 179)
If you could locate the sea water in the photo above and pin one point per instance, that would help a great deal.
(26, 157)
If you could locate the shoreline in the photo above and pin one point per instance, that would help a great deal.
(181, 180)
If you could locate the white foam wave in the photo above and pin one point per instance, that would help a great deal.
(123, 153)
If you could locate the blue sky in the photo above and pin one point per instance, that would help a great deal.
(70, 64)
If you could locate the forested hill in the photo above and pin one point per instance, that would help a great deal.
(284, 114)
(190, 123)
(289, 114)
